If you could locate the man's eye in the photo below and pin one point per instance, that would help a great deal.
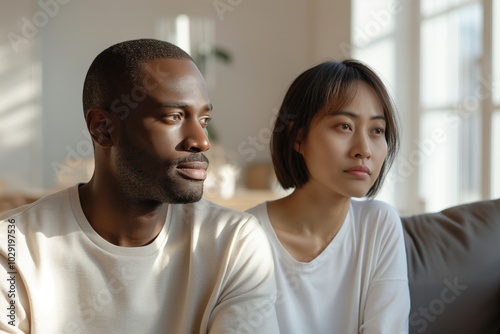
(205, 120)
(172, 117)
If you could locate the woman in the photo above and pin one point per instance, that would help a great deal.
(340, 263)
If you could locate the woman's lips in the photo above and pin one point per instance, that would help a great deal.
(359, 171)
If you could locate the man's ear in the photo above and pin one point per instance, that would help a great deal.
(100, 127)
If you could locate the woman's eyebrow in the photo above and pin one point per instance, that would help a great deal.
(353, 115)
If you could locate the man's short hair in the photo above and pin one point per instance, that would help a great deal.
(117, 69)
(329, 82)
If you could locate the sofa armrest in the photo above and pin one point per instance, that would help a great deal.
(454, 269)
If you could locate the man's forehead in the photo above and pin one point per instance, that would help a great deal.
(160, 68)
(172, 80)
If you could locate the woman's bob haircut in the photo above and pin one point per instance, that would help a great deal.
(334, 83)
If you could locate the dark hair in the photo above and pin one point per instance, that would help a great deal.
(334, 83)
(118, 68)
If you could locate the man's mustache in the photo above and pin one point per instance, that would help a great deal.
(194, 157)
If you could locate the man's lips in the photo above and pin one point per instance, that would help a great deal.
(193, 170)
(361, 171)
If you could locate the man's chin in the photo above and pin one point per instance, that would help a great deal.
(187, 197)
(186, 200)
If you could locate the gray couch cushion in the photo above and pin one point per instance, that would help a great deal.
(454, 269)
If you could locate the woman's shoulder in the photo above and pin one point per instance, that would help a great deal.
(374, 209)
(377, 220)
(372, 204)
(259, 211)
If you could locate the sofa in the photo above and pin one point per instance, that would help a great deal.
(454, 269)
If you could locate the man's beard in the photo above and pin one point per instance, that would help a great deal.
(143, 183)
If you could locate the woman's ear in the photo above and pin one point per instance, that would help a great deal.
(298, 141)
(100, 127)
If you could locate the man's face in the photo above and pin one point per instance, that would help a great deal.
(159, 154)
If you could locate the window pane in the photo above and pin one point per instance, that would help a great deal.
(429, 7)
(496, 52)
(439, 69)
(380, 57)
(451, 49)
(450, 82)
(449, 154)
(495, 152)
(372, 20)
(438, 156)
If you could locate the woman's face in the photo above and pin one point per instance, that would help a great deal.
(345, 149)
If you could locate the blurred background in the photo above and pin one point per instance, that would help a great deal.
(440, 60)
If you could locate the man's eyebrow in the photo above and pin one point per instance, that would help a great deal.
(181, 105)
(352, 115)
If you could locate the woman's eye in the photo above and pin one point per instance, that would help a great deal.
(345, 126)
(379, 131)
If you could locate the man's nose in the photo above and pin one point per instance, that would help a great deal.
(196, 137)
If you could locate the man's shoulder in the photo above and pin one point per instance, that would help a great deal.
(208, 215)
(46, 205)
(216, 211)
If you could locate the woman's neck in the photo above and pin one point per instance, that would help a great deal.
(306, 221)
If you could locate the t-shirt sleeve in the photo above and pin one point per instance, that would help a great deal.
(247, 304)
(388, 299)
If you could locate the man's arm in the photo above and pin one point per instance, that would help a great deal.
(247, 303)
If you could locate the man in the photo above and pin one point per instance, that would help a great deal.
(136, 249)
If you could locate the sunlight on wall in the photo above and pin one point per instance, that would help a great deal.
(19, 119)
(17, 113)
(15, 128)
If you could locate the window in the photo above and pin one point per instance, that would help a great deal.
(443, 57)
(495, 88)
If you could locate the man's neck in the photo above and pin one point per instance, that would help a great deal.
(118, 219)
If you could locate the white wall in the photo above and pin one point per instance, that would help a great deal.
(271, 42)
(19, 100)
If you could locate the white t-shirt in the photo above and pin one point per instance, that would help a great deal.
(358, 284)
(209, 270)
